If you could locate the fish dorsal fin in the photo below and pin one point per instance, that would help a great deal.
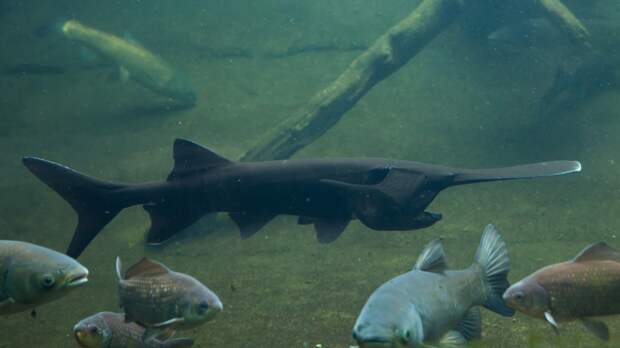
(190, 157)
(432, 258)
(146, 268)
(598, 251)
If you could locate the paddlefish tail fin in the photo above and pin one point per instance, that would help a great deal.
(525, 171)
(90, 198)
(492, 258)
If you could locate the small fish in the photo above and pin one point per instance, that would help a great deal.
(32, 275)
(157, 298)
(584, 287)
(431, 304)
(109, 330)
(134, 61)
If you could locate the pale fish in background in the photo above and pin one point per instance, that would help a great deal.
(134, 61)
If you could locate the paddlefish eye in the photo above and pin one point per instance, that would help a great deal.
(48, 280)
(93, 329)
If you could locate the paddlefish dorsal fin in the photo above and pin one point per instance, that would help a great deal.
(190, 157)
(432, 258)
(597, 251)
(146, 268)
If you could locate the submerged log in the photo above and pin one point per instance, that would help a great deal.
(558, 14)
(388, 53)
(391, 51)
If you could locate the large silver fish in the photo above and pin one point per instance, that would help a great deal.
(109, 330)
(431, 305)
(134, 61)
(31, 275)
(157, 298)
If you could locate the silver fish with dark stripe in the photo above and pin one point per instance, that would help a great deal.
(109, 330)
(157, 298)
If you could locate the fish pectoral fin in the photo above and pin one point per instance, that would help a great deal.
(168, 323)
(328, 230)
(250, 223)
(162, 329)
(470, 325)
(452, 339)
(552, 322)
(123, 74)
(432, 258)
(598, 328)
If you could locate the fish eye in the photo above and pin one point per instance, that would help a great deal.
(203, 307)
(48, 280)
(93, 329)
(519, 297)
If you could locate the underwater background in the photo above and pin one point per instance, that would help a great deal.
(463, 101)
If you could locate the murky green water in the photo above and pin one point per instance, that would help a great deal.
(460, 102)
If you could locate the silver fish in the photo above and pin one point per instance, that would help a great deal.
(109, 330)
(433, 305)
(157, 298)
(31, 275)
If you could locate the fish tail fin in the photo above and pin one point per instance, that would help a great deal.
(178, 343)
(525, 171)
(90, 198)
(492, 258)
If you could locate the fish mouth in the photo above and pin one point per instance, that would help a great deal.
(77, 278)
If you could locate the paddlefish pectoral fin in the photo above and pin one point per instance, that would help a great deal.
(432, 258)
(492, 258)
(452, 339)
(91, 198)
(598, 328)
(470, 326)
(526, 171)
